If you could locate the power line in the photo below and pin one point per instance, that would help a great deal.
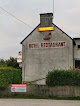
(16, 17)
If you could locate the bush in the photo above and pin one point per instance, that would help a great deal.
(62, 77)
(9, 76)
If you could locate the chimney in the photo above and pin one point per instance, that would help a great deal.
(46, 20)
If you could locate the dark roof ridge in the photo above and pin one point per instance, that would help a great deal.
(77, 38)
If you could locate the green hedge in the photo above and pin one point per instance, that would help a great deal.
(9, 76)
(62, 77)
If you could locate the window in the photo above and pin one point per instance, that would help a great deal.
(77, 64)
(78, 46)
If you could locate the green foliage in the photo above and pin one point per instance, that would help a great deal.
(9, 75)
(2, 63)
(12, 62)
(62, 77)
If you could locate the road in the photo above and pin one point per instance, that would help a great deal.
(38, 102)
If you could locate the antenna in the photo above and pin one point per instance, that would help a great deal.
(53, 9)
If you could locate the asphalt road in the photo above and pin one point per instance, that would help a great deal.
(38, 102)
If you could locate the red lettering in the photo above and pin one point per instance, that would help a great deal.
(29, 45)
(41, 44)
(61, 43)
(57, 44)
(64, 43)
(36, 45)
(32, 45)
(46, 44)
(53, 45)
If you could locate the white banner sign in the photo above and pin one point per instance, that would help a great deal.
(18, 87)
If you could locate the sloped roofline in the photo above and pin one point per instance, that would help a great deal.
(29, 34)
(62, 31)
(38, 26)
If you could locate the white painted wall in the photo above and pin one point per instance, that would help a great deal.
(38, 62)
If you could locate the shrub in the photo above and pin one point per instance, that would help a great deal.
(9, 76)
(62, 77)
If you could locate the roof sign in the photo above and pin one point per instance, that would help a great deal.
(46, 29)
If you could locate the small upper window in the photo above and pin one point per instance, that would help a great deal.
(78, 46)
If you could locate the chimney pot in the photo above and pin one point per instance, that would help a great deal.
(46, 19)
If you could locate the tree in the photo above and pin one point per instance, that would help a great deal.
(12, 62)
(2, 63)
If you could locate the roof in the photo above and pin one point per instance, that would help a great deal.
(38, 26)
(76, 38)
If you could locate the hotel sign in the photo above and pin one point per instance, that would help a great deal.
(55, 44)
(46, 29)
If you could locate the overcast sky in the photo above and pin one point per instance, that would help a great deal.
(12, 32)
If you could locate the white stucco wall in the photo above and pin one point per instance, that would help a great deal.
(37, 62)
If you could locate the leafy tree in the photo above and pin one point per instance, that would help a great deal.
(12, 62)
(2, 63)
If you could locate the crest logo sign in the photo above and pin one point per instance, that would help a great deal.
(46, 32)
(46, 35)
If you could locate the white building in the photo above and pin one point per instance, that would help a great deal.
(77, 53)
(44, 51)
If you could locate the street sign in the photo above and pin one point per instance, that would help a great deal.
(19, 59)
(20, 65)
(20, 53)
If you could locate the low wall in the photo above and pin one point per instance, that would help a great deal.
(7, 91)
(43, 90)
(57, 91)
